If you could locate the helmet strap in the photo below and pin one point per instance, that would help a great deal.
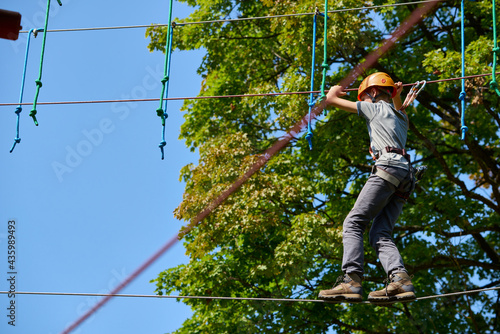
(371, 97)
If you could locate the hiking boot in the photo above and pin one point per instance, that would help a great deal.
(347, 288)
(399, 289)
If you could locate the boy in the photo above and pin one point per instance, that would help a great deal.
(383, 195)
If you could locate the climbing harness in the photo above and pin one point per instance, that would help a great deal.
(38, 82)
(162, 110)
(19, 108)
(496, 52)
(462, 93)
(416, 174)
(325, 66)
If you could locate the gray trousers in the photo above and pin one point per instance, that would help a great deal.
(376, 202)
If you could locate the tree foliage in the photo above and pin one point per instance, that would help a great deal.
(280, 234)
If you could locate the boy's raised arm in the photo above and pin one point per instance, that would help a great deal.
(334, 99)
(397, 99)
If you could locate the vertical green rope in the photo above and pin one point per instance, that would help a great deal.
(38, 82)
(325, 54)
(496, 52)
(462, 93)
(161, 111)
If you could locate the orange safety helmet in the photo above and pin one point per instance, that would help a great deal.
(377, 79)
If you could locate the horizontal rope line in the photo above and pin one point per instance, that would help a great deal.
(231, 20)
(220, 96)
(297, 300)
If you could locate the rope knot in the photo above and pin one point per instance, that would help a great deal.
(309, 137)
(164, 80)
(464, 130)
(17, 140)
(325, 65)
(493, 84)
(18, 110)
(38, 83)
(497, 49)
(32, 114)
(161, 146)
(461, 97)
(159, 112)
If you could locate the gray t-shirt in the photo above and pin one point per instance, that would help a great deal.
(386, 127)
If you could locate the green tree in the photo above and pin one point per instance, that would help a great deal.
(280, 234)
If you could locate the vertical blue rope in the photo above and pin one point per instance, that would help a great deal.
(309, 134)
(161, 111)
(19, 108)
(38, 82)
(462, 93)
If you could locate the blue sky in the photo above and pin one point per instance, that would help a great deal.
(87, 226)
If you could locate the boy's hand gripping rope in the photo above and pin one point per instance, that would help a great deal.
(496, 54)
(19, 108)
(38, 82)
(162, 110)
